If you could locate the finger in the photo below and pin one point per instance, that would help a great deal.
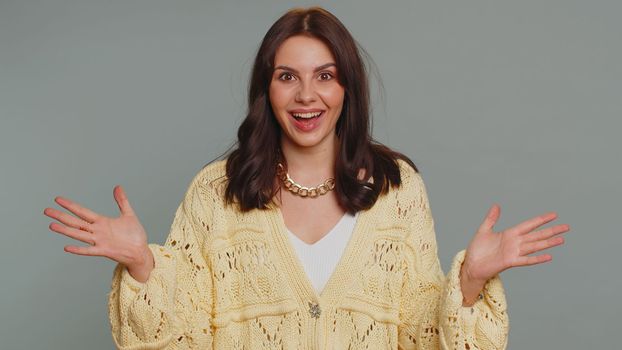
(67, 219)
(546, 233)
(73, 233)
(533, 260)
(531, 224)
(122, 201)
(528, 248)
(89, 251)
(491, 218)
(84, 213)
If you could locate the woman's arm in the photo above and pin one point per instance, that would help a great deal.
(172, 309)
(432, 313)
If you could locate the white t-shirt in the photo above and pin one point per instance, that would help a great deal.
(320, 259)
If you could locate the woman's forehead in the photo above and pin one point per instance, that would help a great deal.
(303, 53)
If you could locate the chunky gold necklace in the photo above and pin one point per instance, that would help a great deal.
(300, 190)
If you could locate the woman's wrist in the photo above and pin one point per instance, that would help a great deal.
(471, 288)
(145, 263)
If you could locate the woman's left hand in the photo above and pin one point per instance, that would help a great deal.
(490, 253)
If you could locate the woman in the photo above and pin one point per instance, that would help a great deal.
(239, 269)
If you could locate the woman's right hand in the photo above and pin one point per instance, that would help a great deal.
(122, 239)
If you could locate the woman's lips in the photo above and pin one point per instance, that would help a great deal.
(306, 124)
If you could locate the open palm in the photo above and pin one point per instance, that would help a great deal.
(490, 253)
(122, 239)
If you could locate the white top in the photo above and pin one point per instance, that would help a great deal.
(320, 258)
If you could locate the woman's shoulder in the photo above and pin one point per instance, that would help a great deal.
(401, 204)
(212, 172)
(412, 190)
(209, 181)
(410, 178)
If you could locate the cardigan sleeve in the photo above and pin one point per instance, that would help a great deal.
(432, 315)
(173, 308)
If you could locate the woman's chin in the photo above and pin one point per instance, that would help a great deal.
(309, 140)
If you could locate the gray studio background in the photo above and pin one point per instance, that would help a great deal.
(514, 102)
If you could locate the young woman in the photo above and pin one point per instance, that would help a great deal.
(309, 235)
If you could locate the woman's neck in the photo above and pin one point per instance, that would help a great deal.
(310, 166)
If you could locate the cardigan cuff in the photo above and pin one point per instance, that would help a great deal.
(163, 261)
(143, 312)
(488, 315)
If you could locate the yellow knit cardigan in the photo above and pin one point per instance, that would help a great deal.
(231, 280)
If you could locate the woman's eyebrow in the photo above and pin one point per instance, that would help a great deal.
(324, 66)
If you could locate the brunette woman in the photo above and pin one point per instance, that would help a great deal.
(309, 234)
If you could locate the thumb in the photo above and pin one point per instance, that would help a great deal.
(491, 218)
(122, 201)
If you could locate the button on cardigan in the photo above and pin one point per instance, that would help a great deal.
(231, 280)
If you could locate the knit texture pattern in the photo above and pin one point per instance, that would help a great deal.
(231, 280)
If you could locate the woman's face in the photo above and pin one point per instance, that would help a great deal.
(305, 94)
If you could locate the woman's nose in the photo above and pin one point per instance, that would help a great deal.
(305, 93)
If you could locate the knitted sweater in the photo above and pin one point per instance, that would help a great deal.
(231, 280)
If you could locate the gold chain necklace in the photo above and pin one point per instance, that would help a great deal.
(300, 190)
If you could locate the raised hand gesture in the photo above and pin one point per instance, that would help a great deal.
(490, 253)
(122, 239)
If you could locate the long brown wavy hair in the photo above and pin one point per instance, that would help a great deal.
(251, 167)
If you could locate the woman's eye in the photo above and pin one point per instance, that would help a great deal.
(325, 76)
(286, 76)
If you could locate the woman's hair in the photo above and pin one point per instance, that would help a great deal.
(251, 167)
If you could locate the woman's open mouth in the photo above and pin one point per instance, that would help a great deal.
(306, 121)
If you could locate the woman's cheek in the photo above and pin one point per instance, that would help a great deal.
(334, 95)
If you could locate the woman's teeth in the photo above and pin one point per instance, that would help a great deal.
(306, 115)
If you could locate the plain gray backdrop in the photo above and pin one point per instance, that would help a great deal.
(513, 102)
